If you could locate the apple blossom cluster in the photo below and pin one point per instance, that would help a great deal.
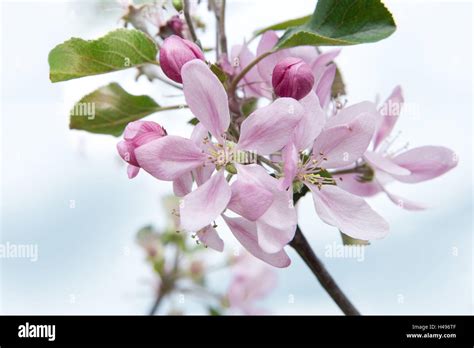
(180, 270)
(246, 168)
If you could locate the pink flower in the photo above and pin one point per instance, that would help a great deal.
(178, 159)
(292, 77)
(380, 166)
(342, 140)
(258, 81)
(136, 134)
(252, 281)
(174, 53)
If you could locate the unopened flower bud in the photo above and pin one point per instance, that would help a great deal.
(176, 25)
(292, 77)
(135, 135)
(174, 53)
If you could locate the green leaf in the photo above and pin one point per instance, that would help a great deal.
(118, 50)
(340, 23)
(284, 25)
(109, 109)
(346, 240)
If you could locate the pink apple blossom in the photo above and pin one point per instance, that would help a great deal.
(342, 140)
(268, 220)
(258, 81)
(136, 134)
(380, 166)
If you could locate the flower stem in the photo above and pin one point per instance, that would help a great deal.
(221, 38)
(302, 247)
(268, 163)
(172, 107)
(245, 70)
(189, 22)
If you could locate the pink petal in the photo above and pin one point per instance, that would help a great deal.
(183, 185)
(209, 237)
(311, 124)
(206, 97)
(319, 64)
(405, 203)
(249, 200)
(350, 113)
(269, 128)
(202, 174)
(324, 85)
(308, 53)
(346, 136)
(266, 66)
(258, 175)
(276, 228)
(132, 171)
(202, 206)
(290, 164)
(198, 135)
(381, 162)
(389, 113)
(425, 163)
(169, 157)
(254, 85)
(246, 233)
(349, 213)
(350, 183)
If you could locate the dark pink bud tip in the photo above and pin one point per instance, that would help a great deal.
(174, 53)
(293, 78)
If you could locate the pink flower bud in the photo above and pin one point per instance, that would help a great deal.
(174, 53)
(135, 135)
(176, 25)
(292, 77)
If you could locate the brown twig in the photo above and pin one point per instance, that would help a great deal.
(157, 303)
(302, 247)
(189, 22)
(220, 18)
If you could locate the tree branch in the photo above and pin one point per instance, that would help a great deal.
(302, 247)
(220, 17)
(157, 303)
(189, 22)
